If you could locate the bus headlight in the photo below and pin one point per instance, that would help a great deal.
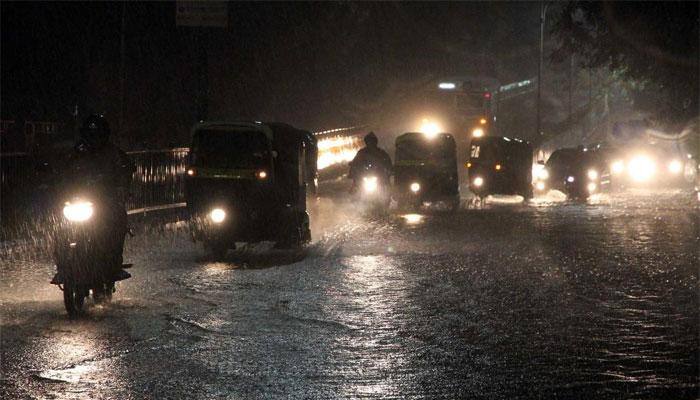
(369, 184)
(415, 187)
(478, 181)
(79, 211)
(592, 174)
(217, 215)
(675, 167)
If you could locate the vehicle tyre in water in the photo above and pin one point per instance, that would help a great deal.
(103, 293)
(73, 299)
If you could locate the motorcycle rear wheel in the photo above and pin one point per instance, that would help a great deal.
(73, 299)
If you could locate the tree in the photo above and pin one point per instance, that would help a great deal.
(651, 46)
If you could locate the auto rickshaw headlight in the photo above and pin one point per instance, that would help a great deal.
(217, 215)
(79, 211)
(478, 181)
(415, 187)
(261, 174)
(369, 183)
(675, 167)
(592, 174)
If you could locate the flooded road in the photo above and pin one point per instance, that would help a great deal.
(548, 299)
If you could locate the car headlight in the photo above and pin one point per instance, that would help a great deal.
(641, 168)
(217, 215)
(675, 167)
(478, 181)
(592, 174)
(617, 167)
(79, 211)
(415, 187)
(369, 184)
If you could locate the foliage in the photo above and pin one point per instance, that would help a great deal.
(651, 46)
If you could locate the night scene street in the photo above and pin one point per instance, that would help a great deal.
(359, 200)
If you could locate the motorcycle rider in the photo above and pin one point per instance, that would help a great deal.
(371, 154)
(95, 156)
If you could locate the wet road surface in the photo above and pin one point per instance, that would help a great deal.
(545, 300)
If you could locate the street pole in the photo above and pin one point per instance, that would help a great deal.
(539, 69)
(122, 72)
(571, 88)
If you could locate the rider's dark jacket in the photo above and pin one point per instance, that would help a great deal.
(369, 155)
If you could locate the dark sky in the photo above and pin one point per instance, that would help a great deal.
(316, 65)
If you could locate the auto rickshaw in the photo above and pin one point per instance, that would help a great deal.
(500, 165)
(247, 182)
(425, 170)
(578, 172)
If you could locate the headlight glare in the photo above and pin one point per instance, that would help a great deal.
(617, 167)
(675, 167)
(217, 215)
(79, 211)
(641, 169)
(415, 187)
(369, 184)
(592, 174)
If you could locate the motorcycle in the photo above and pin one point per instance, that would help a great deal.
(87, 247)
(372, 186)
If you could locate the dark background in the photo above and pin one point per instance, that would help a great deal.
(316, 65)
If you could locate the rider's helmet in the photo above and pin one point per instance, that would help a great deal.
(371, 140)
(95, 130)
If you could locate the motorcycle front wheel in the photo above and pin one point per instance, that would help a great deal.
(74, 299)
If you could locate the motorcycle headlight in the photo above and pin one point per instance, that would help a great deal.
(478, 181)
(540, 185)
(570, 179)
(415, 187)
(592, 187)
(592, 174)
(78, 211)
(369, 183)
(543, 174)
(217, 215)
